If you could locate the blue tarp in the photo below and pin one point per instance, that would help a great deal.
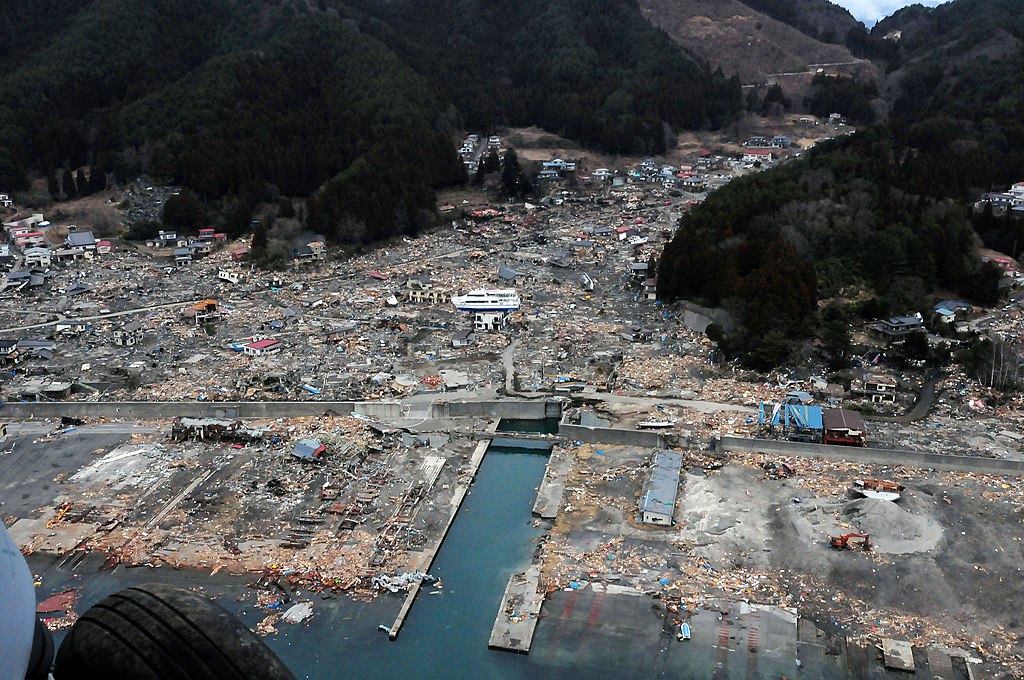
(795, 415)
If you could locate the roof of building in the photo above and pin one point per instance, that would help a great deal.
(78, 289)
(508, 274)
(81, 238)
(663, 485)
(952, 305)
(842, 419)
(262, 344)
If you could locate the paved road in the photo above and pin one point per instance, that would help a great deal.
(508, 362)
(29, 427)
(925, 399)
(97, 317)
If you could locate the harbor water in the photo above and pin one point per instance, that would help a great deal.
(593, 632)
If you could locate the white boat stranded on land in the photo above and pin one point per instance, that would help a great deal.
(504, 300)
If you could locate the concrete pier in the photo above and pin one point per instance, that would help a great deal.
(425, 559)
(549, 496)
(519, 612)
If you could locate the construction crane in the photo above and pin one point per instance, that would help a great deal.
(850, 542)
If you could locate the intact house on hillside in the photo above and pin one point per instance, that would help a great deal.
(946, 310)
(897, 326)
(167, 239)
(762, 156)
(81, 239)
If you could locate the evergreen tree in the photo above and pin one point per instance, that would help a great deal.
(512, 178)
(12, 176)
(68, 185)
(51, 183)
(492, 163)
(82, 183)
(97, 179)
(285, 209)
(239, 219)
(184, 210)
(259, 240)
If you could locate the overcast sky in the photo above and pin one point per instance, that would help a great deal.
(870, 11)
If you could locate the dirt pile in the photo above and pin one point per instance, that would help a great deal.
(893, 529)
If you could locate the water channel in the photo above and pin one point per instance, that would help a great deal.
(445, 635)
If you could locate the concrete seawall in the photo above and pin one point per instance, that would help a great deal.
(197, 409)
(852, 454)
(510, 409)
(612, 435)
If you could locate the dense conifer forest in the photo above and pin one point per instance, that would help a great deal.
(352, 105)
(887, 211)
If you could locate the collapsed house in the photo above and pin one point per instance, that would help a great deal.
(214, 429)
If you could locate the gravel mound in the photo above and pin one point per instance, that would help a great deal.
(892, 528)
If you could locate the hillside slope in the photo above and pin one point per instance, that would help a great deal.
(740, 39)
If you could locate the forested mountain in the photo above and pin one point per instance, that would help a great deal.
(594, 70)
(884, 211)
(227, 98)
(352, 103)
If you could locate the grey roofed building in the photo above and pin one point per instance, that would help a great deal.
(896, 326)
(78, 289)
(952, 305)
(81, 239)
(37, 344)
(658, 500)
(509, 274)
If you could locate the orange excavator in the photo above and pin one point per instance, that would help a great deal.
(850, 542)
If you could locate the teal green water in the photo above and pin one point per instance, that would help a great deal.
(445, 635)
